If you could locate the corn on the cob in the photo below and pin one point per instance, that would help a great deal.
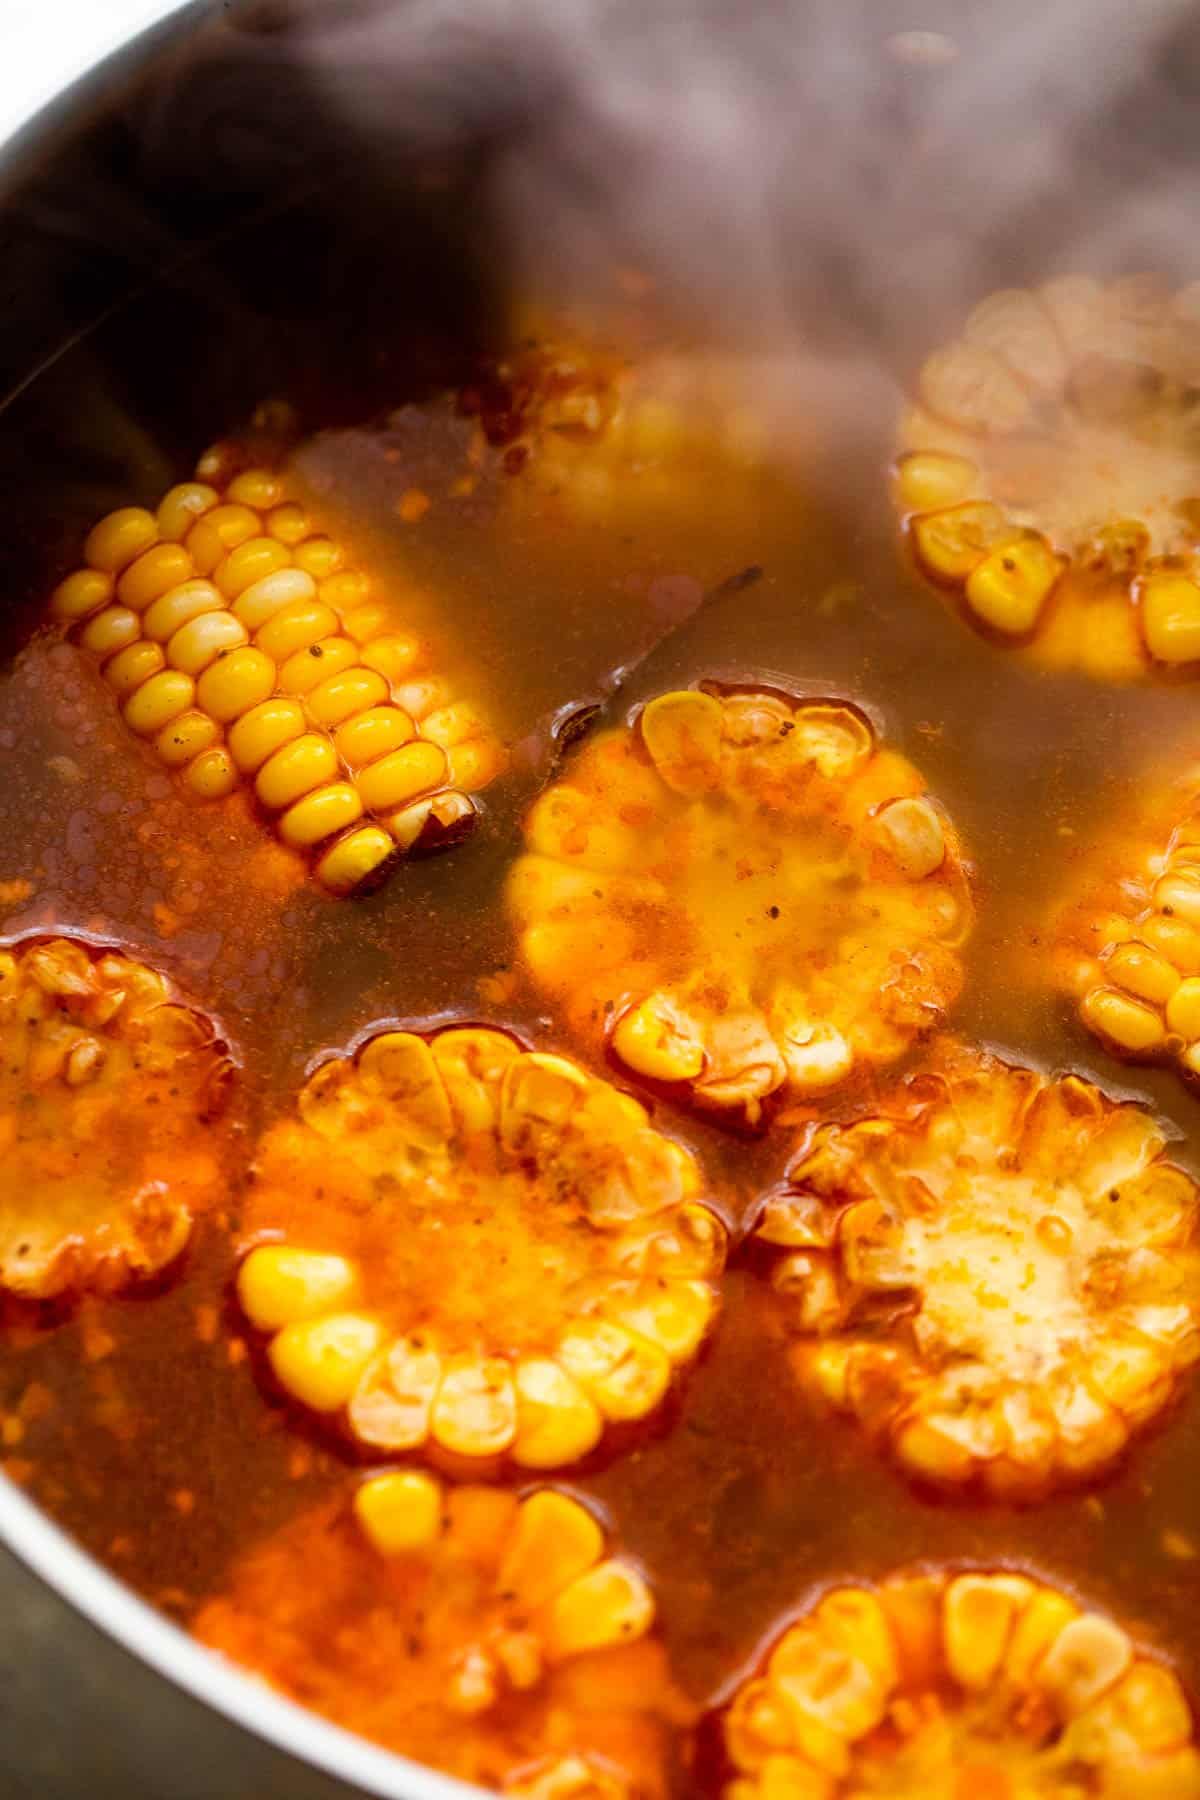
(239, 644)
(484, 1249)
(747, 893)
(496, 1637)
(954, 1685)
(1048, 474)
(108, 1090)
(1035, 1252)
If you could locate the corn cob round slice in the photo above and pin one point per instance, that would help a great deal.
(995, 1272)
(498, 1638)
(1049, 475)
(746, 893)
(942, 1686)
(109, 1088)
(234, 637)
(476, 1249)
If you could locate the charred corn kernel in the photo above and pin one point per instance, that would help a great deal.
(306, 669)
(610, 1604)
(1183, 1009)
(400, 1512)
(185, 737)
(339, 696)
(1010, 587)
(1139, 971)
(280, 1286)
(202, 640)
(289, 523)
(318, 815)
(1170, 615)
(82, 593)
(361, 619)
(319, 557)
(181, 506)
(371, 734)
(264, 599)
(158, 701)
(129, 668)
(556, 1421)
(266, 728)
(771, 994)
(928, 480)
(191, 599)
(251, 562)
(320, 1361)
(154, 573)
(256, 488)
(95, 1052)
(348, 863)
(1128, 1023)
(401, 775)
(1016, 1363)
(475, 1413)
(344, 592)
(237, 681)
(393, 655)
(110, 630)
(119, 538)
(1089, 1656)
(294, 627)
(212, 774)
(232, 525)
(305, 763)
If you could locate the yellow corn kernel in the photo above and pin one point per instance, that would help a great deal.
(353, 858)
(308, 668)
(394, 654)
(475, 1412)
(927, 480)
(1170, 615)
(1178, 896)
(111, 630)
(953, 542)
(1140, 971)
(155, 572)
(1035, 1631)
(346, 591)
(420, 697)
(474, 764)
(362, 621)
(249, 563)
(321, 1361)
(232, 524)
(158, 701)
(279, 1286)
(654, 1041)
(401, 775)
(372, 734)
(554, 1542)
(205, 546)
(319, 557)
(451, 725)
(1089, 1655)
(178, 606)
(624, 1374)
(294, 627)
(235, 682)
(185, 737)
(263, 730)
(269, 595)
(212, 774)
(400, 1511)
(257, 488)
(128, 669)
(977, 1620)
(181, 506)
(82, 593)
(683, 732)
(1183, 1009)
(439, 816)
(338, 697)
(199, 643)
(1009, 588)
(320, 814)
(1128, 1023)
(556, 1422)
(610, 1604)
(119, 537)
(303, 764)
(1175, 939)
(289, 523)
(912, 832)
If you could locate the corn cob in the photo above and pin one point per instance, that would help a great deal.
(108, 1087)
(1048, 475)
(240, 645)
(952, 1685)
(499, 1638)
(477, 1248)
(1036, 1257)
(746, 893)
